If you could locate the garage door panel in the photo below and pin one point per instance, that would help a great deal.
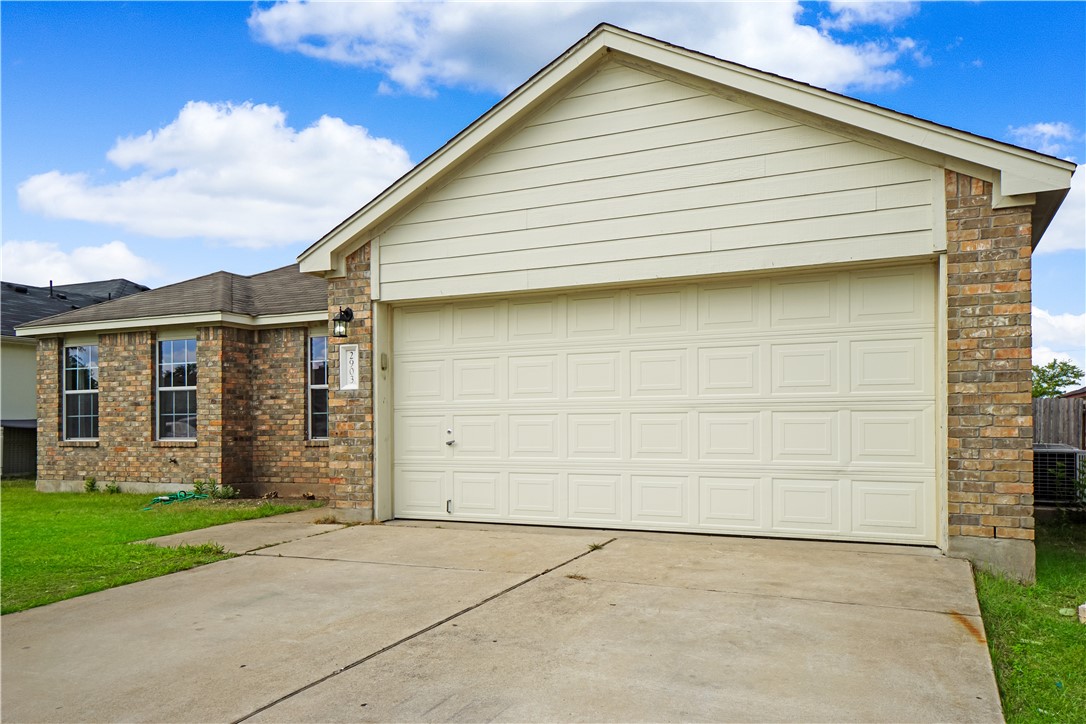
(661, 499)
(894, 296)
(477, 436)
(420, 492)
(478, 493)
(534, 377)
(790, 405)
(422, 381)
(729, 436)
(805, 369)
(534, 320)
(802, 505)
(477, 379)
(597, 436)
(891, 509)
(805, 302)
(728, 307)
(660, 436)
(891, 437)
(891, 366)
(658, 373)
(594, 316)
(596, 498)
(808, 436)
(533, 437)
(659, 312)
(729, 371)
(594, 375)
(731, 502)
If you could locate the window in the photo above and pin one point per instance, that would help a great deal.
(318, 388)
(81, 392)
(176, 389)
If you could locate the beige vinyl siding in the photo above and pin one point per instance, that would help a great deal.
(631, 176)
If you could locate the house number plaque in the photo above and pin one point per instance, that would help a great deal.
(348, 367)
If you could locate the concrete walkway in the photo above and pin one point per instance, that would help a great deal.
(474, 623)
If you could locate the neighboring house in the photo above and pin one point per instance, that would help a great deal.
(1080, 392)
(21, 303)
(652, 289)
(216, 377)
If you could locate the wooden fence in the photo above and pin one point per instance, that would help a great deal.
(1059, 420)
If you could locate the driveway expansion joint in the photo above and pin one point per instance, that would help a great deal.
(591, 549)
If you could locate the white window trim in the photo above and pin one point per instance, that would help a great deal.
(309, 386)
(67, 392)
(159, 389)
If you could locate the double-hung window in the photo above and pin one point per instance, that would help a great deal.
(81, 392)
(318, 388)
(176, 367)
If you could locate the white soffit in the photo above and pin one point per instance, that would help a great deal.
(1018, 174)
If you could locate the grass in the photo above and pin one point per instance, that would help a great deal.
(55, 546)
(1038, 652)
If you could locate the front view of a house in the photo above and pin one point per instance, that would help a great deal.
(650, 289)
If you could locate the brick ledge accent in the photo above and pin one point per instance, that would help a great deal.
(174, 443)
(77, 443)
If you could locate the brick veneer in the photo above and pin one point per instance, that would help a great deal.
(249, 383)
(350, 412)
(989, 405)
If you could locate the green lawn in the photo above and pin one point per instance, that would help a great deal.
(61, 545)
(1038, 652)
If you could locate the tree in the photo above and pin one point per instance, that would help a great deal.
(1051, 379)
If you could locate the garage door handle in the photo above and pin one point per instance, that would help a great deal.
(450, 443)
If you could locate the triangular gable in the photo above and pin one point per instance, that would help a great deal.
(1020, 177)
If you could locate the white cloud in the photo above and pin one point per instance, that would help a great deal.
(851, 14)
(496, 46)
(1050, 138)
(235, 173)
(1068, 228)
(38, 262)
(1059, 336)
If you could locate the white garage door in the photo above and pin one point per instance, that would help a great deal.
(798, 405)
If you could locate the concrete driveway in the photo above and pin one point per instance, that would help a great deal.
(470, 623)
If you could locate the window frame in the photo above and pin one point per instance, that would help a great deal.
(310, 387)
(159, 389)
(68, 393)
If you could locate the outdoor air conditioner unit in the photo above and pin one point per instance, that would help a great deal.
(1055, 470)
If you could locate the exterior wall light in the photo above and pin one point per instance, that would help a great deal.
(341, 320)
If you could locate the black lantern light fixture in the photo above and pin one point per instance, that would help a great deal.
(341, 320)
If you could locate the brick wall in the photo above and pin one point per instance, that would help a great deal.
(234, 374)
(990, 424)
(282, 459)
(350, 412)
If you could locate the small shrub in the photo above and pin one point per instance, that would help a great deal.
(90, 484)
(212, 489)
(113, 488)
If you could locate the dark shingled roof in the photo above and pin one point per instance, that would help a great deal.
(22, 303)
(280, 291)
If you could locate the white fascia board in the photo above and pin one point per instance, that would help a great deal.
(1023, 172)
(246, 321)
(349, 235)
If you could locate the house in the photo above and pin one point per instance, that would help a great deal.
(21, 303)
(1072, 394)
(653, 289)
(215, 377)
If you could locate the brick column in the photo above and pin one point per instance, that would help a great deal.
(350, 412)
(990, 423)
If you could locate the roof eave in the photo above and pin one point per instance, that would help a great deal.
(213, 319)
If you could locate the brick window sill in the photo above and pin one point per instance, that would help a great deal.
(78, 443)
(174, 443)
(316, 443)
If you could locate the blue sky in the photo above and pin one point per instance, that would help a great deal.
(161, 141)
